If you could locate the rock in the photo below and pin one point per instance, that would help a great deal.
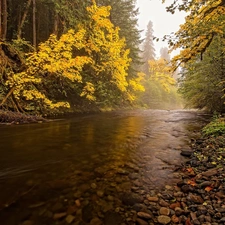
(57, 216)
(28, 222)
(186, 152)
(195, 198)
(69, 219)
(77, 202)
(210, 172)
(87, 213)
(164, 219)
(163, 203)
(100, 193)
(178, 211)
(141, 222)
(57, 207)
(96, 221)
(94, 185)
(112, 218)
(152, 198)
(131, 199)
(174, 205)
(144, 215)
(187, 188)
(175, 219)
(164, 211)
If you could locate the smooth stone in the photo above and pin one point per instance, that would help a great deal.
(69, 219)
(57, 216)
(153, 198)
(144, 215)
(164, 219)
(141, 222)
(164, 211)
(96, 221)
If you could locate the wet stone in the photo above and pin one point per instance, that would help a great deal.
(69, 219)
(164, 211)
(153, 198)
(141, 222)
(144, 215)
(96, 221)
(112, 218)
(164, 219)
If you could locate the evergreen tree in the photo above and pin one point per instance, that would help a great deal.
(124, 14)
(148, 49)
(164, 54)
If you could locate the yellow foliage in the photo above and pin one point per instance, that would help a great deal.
(160, 71)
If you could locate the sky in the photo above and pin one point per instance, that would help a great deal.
(164, 23)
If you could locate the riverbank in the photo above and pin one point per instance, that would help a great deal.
(198, 198)
(132, 182)
(9, 117)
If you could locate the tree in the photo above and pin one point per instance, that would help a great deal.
(91, 62)
(204, 22)
(124, 15)
(202, 82)
(3, 19)
(148, 49)
(164, 54)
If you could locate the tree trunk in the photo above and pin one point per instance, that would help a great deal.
(1, 18)
(56, 24)
(34, 25)
(21, 23)
(4, 15)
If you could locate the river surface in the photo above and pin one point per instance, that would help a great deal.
(46, 168)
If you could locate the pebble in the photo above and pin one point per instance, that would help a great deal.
(164, 219)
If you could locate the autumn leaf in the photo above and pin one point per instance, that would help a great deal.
(191, 182)
(208, 189)
(188, 222)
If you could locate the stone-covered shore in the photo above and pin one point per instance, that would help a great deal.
(197, 199)
(9, 117)
(199, 196)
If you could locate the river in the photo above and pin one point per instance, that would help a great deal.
(84, 166)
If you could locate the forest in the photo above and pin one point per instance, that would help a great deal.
(61, 56)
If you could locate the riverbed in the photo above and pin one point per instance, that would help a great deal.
(91, 169)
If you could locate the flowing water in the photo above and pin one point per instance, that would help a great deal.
(88, 158)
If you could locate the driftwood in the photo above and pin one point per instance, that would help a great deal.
(8, 117)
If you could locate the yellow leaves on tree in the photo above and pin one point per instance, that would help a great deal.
(161, 72)
(108, 51)
(95, 46)
(202, 25)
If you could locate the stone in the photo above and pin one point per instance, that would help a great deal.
(57, 216)
(186, 152)
(112, 218)
(175, 219)
(164, 211)
(195, 198)
(131, 199)
(141, 222)
(28, 222)
(174, 205)
(94, 185)
(87, 213)
(164, 219)
(96, 221)
(163, 203)
(210, 172)
(144, 215)
(153, 198)
(100, 193)
(69, 219)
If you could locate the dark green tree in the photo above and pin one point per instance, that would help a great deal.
(124, 14)
(148, 49)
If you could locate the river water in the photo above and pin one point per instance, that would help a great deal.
(90, 160)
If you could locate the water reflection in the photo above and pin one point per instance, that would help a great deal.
(122, 150)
